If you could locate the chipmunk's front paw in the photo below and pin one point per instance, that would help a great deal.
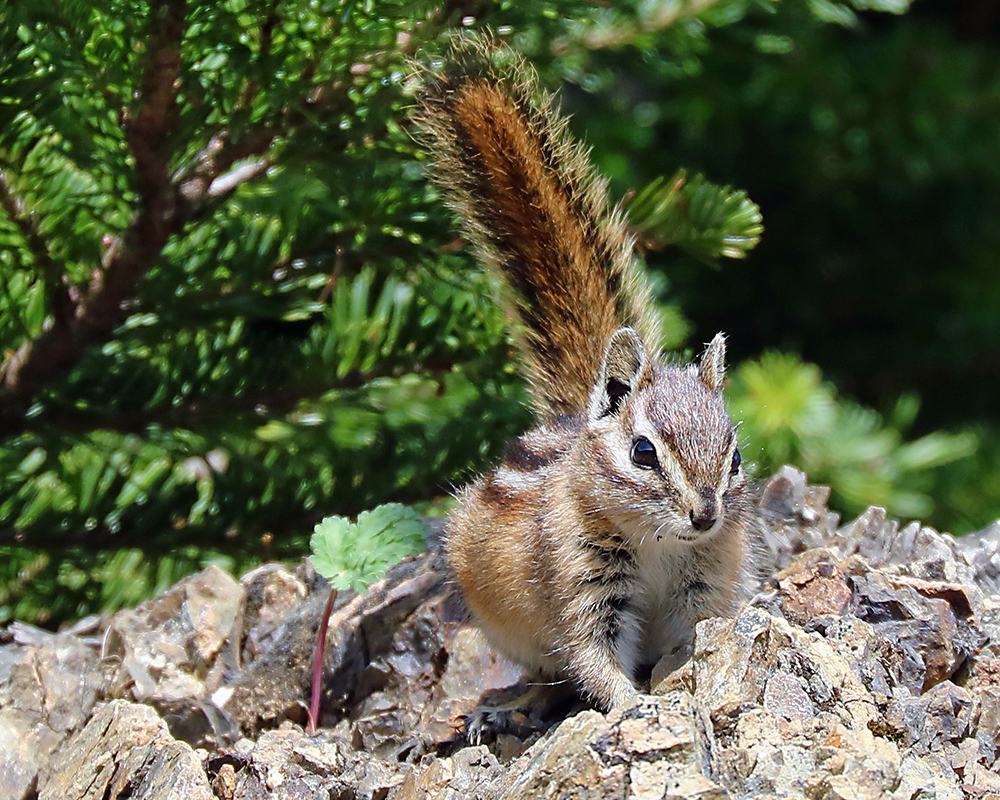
(486, 723)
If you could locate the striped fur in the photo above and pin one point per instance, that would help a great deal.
(577, 559)
(581, 564)
(534, 208)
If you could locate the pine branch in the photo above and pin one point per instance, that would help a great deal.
(59, 296)
(165, 204)
(186, 415)
(706, 220)
(159, 216)
(202, 412)
(211, 175)
(52, 354)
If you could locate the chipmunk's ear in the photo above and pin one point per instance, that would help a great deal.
(621, 369)
(712, 367)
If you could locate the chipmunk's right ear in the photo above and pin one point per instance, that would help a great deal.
(712, 367)
(621, 369)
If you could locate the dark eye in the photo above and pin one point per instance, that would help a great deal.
(644, 454)
(737, 460)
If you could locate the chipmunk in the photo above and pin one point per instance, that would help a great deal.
(621, 520)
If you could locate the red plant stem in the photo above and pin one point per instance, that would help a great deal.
(317, 682)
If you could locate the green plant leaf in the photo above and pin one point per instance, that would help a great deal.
(354, 555)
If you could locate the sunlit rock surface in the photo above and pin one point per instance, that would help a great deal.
(868, 666)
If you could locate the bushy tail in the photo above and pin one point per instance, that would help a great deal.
(535, 208)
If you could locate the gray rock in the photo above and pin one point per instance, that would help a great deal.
(170, 652)
(661, 747)
(982, 551)
(928, 621)
(48, 686)
(943, 715)
(790, 715)
(168, 648)
(926, 778)
(286, 765)
(868, 666)
(795, 519)
(813, 587)
(460, 777)
(126, 751)
(786, 697)
(271, 593)
(385, 653)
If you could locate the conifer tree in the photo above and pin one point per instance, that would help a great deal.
(230, 303)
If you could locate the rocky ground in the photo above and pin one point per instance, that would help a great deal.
(868, 666)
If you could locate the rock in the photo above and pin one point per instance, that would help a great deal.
(48, 686)
(125, 751)
(460, 777)
(473, 670)
(286, 765)
(171, 652)
(274, 686)
(926, 723)
(168, 648)
(929, 621)
(786, 697)
(735, 662)
(926, 778)
(982, 551)
(661, 747)
(814, 589)
(795, 519)
(868, 666)
(987, 614)
(987, 721)
(385, 653)
(271, 593)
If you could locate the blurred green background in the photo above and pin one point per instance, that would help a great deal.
(231, 304)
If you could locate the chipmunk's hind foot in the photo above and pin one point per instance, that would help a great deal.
(528, 713)
(487, 723)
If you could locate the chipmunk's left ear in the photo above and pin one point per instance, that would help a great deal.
(712, 367)
(621, 371)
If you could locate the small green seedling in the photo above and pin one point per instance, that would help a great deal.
(353, 555)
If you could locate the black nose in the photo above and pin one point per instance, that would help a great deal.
(703, 521)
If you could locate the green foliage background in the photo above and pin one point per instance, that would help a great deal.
(312, 338)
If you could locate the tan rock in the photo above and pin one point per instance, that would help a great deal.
(166, 648)
(48, 686)
(659, 747)
(126, 751)
(813, 590)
